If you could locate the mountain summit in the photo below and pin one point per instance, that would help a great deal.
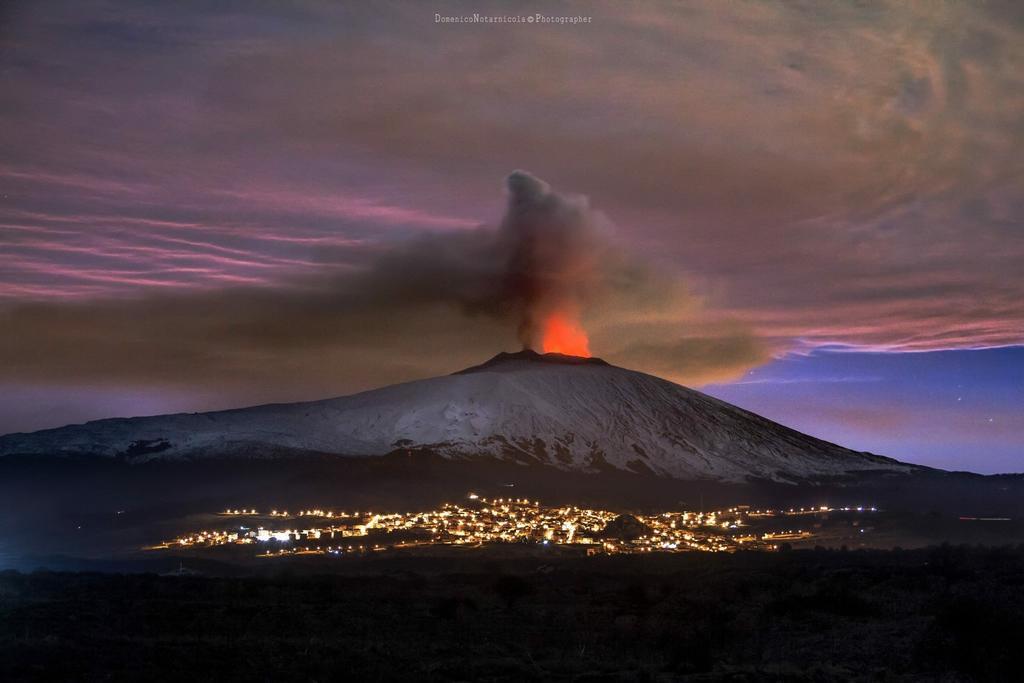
(569, 412)
(503, 359)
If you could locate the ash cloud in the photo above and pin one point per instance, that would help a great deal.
(557, 254)
(551, 252)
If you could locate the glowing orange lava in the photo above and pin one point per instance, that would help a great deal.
(563, 334)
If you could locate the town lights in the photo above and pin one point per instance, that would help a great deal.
(515, 520)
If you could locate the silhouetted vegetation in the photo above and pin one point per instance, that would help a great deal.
(949, 613)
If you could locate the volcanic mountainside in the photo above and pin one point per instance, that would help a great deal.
(578, 414)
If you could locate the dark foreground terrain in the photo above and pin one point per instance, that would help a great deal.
(947, 613)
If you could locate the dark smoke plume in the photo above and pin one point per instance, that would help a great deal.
(550, 253)
(557, 254)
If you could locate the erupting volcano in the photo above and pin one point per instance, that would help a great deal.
(550, 265)
(572, 413)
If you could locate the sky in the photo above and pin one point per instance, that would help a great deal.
(818, 208)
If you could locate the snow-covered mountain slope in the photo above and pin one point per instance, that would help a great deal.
(579, 414)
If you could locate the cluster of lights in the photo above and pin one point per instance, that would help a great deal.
(481, 521)
(808, 511)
